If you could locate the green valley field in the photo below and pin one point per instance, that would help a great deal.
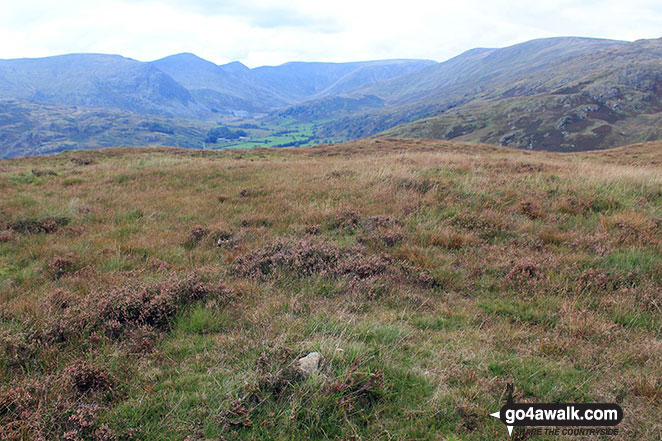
(166, 294)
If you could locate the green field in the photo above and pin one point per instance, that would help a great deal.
(287, 134)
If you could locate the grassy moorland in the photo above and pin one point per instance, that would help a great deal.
(428, 274)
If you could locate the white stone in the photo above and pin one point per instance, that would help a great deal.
(309, 364)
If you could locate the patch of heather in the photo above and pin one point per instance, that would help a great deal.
(83, 425)
(346, 219)
(595, 281)
(58, 406)
(195, 236)
(133, 314)
(81, 161)
(6, 236)
(379, 222)
(159, 265)
(34, 225)
(524, 271)
(133, 317)
(62, 265)
(419, 185)
(379, 231)
(388, 238)
(313, 229)
(306, 258)
(119, 310)
(85, 377)
(530, 209)
(19, 349)
(486, 225)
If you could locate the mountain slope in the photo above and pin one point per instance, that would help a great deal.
(552, 94)
(298, 81)
(227, 88)
(94, 80)
(536, 64)
(28, 128)
(602, 98)
(182, 85)
(373, 72)
(235, 87)
(93, 100)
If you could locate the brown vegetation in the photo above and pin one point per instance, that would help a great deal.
(166, 294)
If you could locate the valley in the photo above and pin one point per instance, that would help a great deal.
(558, 94)
(288, 220)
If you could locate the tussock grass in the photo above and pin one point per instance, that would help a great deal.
(166, 293)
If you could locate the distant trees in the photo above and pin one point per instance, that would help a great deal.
(151, 126)
(248, 126)
(223, 132)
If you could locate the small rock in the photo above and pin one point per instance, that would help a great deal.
(309, 364)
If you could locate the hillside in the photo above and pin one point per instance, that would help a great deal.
(564, 94)
(225, 89)
(27, 129)
(556, 94)
(97, 81)
(271, 87)
(184, 85)
(300, 81)
(86, 101)
(155, 293)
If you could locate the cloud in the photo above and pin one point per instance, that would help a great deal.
(264, 14)
(259, 32)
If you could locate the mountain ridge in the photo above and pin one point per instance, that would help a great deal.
(561, 93)
(96, 80)
(607, 87)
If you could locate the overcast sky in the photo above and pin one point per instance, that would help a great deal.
(268, 32)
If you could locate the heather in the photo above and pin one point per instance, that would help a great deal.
(151, 294)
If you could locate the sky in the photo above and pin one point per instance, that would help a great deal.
(271, 32)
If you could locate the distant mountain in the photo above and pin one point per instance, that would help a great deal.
(371, 73)
(92, 100)
(98, 81)
(522, 69)
(235, 87)
(563, 94)
(225, 89)
(298, 81)
(347, 92)
(182, 85)
(555, 94)
(28, 128)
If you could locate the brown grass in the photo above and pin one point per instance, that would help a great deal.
(428, 274)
